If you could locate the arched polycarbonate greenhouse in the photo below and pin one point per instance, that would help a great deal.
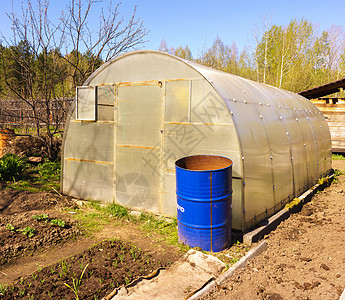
(140, 112)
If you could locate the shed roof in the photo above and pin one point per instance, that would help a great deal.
(323, 90)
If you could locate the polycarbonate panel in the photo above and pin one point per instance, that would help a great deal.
(105, 113)
(182, 140)
(280, 152)
(138, 148)
(206, 105)
(86, 103)
(326, 149)
(298, 153)
(88, 180)
(140, 115)
(105, 102)
(310, 149)
(138, 178)
(90, 141)
(106, 94)
(257, 165)
(177, 95)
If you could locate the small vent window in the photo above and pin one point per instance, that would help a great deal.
(86, 103)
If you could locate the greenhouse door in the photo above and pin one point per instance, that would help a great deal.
(138, 144)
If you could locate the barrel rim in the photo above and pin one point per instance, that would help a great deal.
(209, 155)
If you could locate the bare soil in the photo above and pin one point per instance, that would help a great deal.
(305, 258)
(42, 264)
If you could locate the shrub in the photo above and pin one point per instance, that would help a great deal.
(11, 167)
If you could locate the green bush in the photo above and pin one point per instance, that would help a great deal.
(11, 167)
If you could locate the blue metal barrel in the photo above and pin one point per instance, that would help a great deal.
(204, 201)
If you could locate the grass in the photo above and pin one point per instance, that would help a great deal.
(35, 178)
(93, 217)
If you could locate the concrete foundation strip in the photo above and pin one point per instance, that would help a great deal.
(262, 246)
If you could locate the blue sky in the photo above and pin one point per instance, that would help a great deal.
(197, 23)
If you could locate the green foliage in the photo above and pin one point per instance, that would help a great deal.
(50, 170)
(57, 222)
(3, 289)
(337, 173)
(28, 231)
(77, 282)
(292, 203)
(117, 210)
(42, 217)
(10, 227)
(337, 157)
(38, 178)
(11, 167)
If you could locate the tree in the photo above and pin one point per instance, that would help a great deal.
(42, 76)
(184, 53)
(221, 56)
(163, 47)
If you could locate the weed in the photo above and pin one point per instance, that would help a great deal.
(77, 283)
(127, 280)
(64, 267)
(81, 265)
(34, 276)
(3, 289)
(115, 263)
(293, 203)
(10, 227)
(101, 280)
(28, 231)
(21, 293)
(39, 267)
(52, 270)
(122, 257)
(57, 222)
(42, 280)
(337, 173)
(50, 294)
(42, 217)
(95, 205)
(117, 210)
(134, 255)
(30, 297)
(23, 186)
(50, 170)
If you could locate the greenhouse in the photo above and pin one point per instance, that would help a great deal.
(140, 112)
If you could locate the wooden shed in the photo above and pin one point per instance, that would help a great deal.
(333, 108)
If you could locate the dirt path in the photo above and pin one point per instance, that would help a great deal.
(305, 258)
